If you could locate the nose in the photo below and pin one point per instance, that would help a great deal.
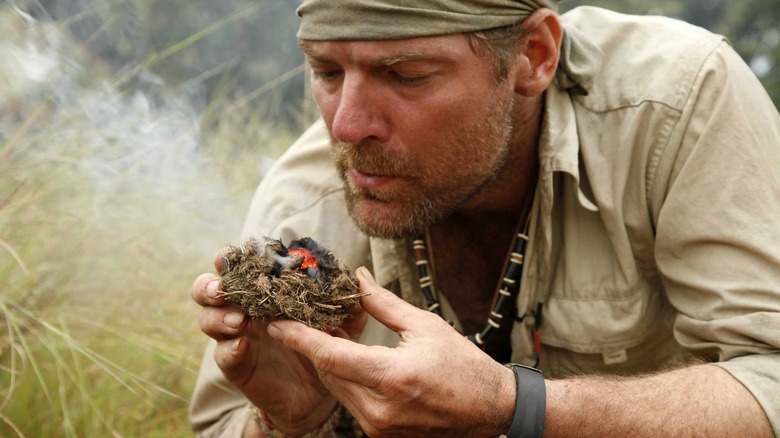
(358, 115)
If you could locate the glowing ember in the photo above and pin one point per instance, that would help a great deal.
(309, 258)
(302, 282)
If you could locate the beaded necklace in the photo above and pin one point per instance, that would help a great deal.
(509, 284)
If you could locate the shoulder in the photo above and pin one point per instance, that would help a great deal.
(645, 58)
(303, 177)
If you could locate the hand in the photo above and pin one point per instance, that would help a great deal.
(435, 382)
(274, 378)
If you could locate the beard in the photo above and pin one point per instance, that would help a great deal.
(470, 160)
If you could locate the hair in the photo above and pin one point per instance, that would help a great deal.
(499, 45)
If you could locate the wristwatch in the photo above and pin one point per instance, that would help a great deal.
(530, 403)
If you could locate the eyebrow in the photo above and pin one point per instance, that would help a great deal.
(381, 62)
(406, 57)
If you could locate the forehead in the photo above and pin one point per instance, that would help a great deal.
(446, 48)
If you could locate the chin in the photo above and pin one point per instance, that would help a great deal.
(383, 219)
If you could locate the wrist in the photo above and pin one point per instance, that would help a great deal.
(530, 403)
(316, 426)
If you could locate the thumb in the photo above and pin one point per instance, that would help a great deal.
(339, 357)
(386, 307)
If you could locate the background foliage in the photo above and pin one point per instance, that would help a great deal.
(232, 48)
(132, 133)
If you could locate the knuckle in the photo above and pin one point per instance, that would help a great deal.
(378, 418)
(323, 359)
(205, 320)
(224, 357)
(211, 323)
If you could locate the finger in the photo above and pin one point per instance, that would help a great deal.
(205, 290)
(222, 322)
(229, 354)
(219, 259)
(354, 324)
(342, 358)
(386, 307)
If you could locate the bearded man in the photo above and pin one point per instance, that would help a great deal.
(594, 195)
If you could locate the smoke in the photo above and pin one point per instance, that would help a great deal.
(146, 135)
(123, 163)
(117, 187)
(135, 140)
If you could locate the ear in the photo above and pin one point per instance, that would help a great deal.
(538, 56)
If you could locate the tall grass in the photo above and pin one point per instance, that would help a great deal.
(110, 205)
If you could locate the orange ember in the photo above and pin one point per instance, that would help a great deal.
(309, 258)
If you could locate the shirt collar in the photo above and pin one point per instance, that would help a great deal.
(559, 143)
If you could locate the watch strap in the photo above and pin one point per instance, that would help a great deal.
(530, 403)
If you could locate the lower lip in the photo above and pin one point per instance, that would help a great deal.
(370, 181)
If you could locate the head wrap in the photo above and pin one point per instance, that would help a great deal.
(331, 20)
(388, 20)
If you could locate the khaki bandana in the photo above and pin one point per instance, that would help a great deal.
(386, 20)
(332, 20)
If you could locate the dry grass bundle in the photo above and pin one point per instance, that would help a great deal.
(302, 282)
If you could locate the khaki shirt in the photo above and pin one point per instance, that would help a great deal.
(655, 231)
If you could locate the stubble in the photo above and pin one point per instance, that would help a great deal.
(475, 156)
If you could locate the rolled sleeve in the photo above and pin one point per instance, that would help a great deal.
(217, 408)
(758, 373)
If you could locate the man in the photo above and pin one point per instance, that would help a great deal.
(614, 179)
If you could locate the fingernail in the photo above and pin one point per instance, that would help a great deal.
(275, 332)
(237, 344)
(211, 289)
(366, 275)
(233, 319)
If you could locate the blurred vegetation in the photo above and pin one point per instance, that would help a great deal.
(121, 173)
(220, 50)
(132, 134)
(235, 48)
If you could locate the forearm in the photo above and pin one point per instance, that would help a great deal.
(701, 400)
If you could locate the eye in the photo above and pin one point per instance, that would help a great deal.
(326, 75)
(407, 79)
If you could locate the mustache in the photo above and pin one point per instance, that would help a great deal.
(372, 159)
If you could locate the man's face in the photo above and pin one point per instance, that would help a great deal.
(418, 127)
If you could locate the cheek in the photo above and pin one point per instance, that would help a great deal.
(448, 120)
(327, 104)
(438, 130)
(429, 129)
